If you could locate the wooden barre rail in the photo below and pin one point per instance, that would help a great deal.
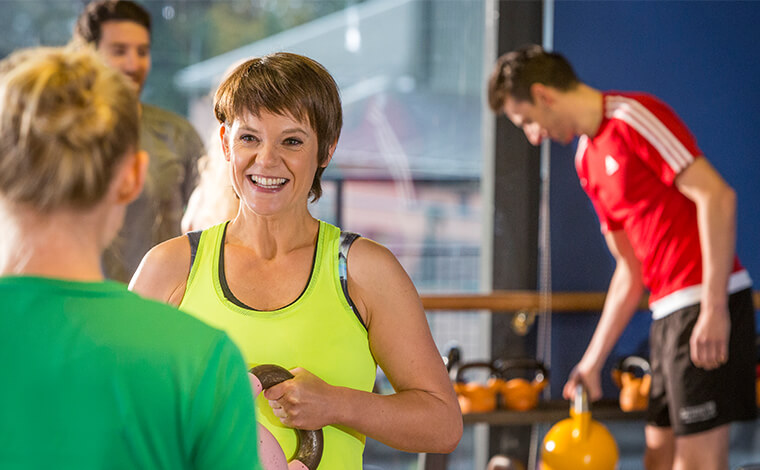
(514, 301)
(551, 412)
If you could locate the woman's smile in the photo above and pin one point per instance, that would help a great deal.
(268, 183)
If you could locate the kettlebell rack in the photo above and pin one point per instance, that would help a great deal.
(549, 412)
(511, 302)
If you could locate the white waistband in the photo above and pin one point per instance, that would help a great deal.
(692, 295)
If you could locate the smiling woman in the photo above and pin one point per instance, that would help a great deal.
(294, 87)
(273, 161)
(288, 290)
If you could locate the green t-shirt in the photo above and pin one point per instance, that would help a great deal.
(96, 377)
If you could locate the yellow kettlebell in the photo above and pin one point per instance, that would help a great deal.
(579, 442)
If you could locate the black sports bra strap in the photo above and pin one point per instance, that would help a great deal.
(195, 239)
(346, 240)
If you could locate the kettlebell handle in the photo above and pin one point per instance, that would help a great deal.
(634, 364)
(525, 364)
(580, 400)
(580, 413)
(452, 357)
(310, 443)
(458, 370)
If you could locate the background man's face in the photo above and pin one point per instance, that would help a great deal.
(540, 120)
(125, 45)
(526, 116)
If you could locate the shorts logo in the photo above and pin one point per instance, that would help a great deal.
(610, 165)
(698, 413)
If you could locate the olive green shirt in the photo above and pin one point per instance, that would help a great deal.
(174, 148)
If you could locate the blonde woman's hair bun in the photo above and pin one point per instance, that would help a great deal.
(66, 121)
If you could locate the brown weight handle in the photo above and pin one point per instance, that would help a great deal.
(310, 443)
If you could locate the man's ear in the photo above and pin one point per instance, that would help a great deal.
(130, 177)
(542, 94)
(222, 137)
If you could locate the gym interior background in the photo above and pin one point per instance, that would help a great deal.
(424, 168)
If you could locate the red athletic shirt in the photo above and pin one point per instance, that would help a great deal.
(628, 170)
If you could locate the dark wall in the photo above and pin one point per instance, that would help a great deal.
(515, 237)
(701, 57)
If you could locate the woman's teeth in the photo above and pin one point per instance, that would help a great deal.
(269, 183)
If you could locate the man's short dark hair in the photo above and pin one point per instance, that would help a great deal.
(89, 26)
(516, 71)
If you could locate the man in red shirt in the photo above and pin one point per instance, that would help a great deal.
(669, 220)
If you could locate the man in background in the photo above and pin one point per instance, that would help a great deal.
(669, 220)
(120, 30)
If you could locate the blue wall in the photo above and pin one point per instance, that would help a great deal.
(702, 58)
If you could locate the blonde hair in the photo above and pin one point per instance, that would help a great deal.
(66, 121)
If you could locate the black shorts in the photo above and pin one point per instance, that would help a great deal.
(690, 399)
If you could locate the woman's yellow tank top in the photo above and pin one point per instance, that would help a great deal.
(319, 332)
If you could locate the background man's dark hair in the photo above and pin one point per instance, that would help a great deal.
(516, 71)
(90, 23)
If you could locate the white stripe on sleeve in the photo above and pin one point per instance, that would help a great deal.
(636, 115)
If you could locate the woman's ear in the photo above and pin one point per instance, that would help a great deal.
(130, 178)
(329, 154)
(222, 137)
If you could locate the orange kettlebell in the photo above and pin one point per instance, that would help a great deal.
(579, 442)
(475, 397)
(518, 393)
(633, 376)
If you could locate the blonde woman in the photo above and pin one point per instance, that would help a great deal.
(95, 377)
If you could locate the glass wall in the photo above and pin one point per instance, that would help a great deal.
(408, 168)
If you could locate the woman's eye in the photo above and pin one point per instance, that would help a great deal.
(248, 138)
(292, 141)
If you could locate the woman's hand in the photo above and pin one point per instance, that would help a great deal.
(302, 402)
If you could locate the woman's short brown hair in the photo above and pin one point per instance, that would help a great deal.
(66, 121)
(285, 83)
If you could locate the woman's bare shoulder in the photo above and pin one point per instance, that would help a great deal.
(369, 260)
(163, 271)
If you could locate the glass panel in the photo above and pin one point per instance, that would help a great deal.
(407, 170)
